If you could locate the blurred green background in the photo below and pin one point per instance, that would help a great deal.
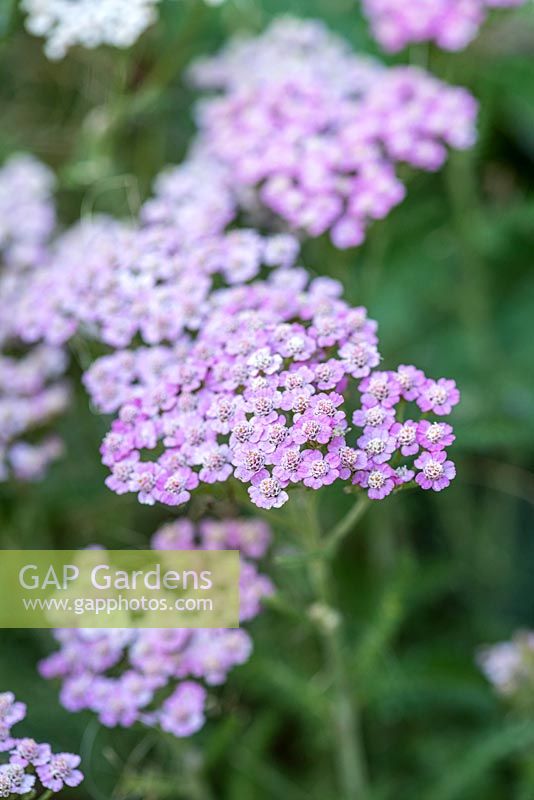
(427, 579)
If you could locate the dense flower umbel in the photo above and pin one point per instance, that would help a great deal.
(30, 765)
(89, 23)
(149, 278)
(154, 676)
(151, 281)
(317, 132)
(451, 24)
(261, 393)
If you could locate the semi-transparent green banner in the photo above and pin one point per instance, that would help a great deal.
(119, 588)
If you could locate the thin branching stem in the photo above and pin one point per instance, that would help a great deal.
(346, 525)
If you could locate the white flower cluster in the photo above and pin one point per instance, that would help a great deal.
(509, 666)
(89, 23)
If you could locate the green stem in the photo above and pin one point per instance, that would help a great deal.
(374, 261)
(168, 66)
(350, 755)
(345, 720)
(419, 56)
(346, 525)
(46, 795)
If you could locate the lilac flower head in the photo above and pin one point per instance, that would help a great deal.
(450, 24)
(405, 434)
(62, 770)
(31, 765)
(434, 435)
(14, 780)
(436, 471)
(315, 133)
(252, 402)
(119, 673)
(379, 480)
(11, 711)
(150, 280)
(267, 491)
(438, 396)
(318, 470)
(182, 714)
(28, 751)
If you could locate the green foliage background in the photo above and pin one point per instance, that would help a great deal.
(425, 579)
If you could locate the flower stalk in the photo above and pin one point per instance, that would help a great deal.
(346, 525)
(349, 750)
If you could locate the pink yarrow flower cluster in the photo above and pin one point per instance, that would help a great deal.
(450, 24)
(116, 378)
(145, 281)
(159, 676)
(262, 395)
(149, 278)
(233, 258)
(30, 766)
(315, 133)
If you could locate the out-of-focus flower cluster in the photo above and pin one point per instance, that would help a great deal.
(30, 395)
(175, 309)
(31, 392)
(133, 282)
(509, 666)
(316, 140)
(261, 393)
(112, 281)
(30, 765)
(450, 24)
(195, 200)
(316, 133)
(155, 675)
(88, 23)
(27, 213)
